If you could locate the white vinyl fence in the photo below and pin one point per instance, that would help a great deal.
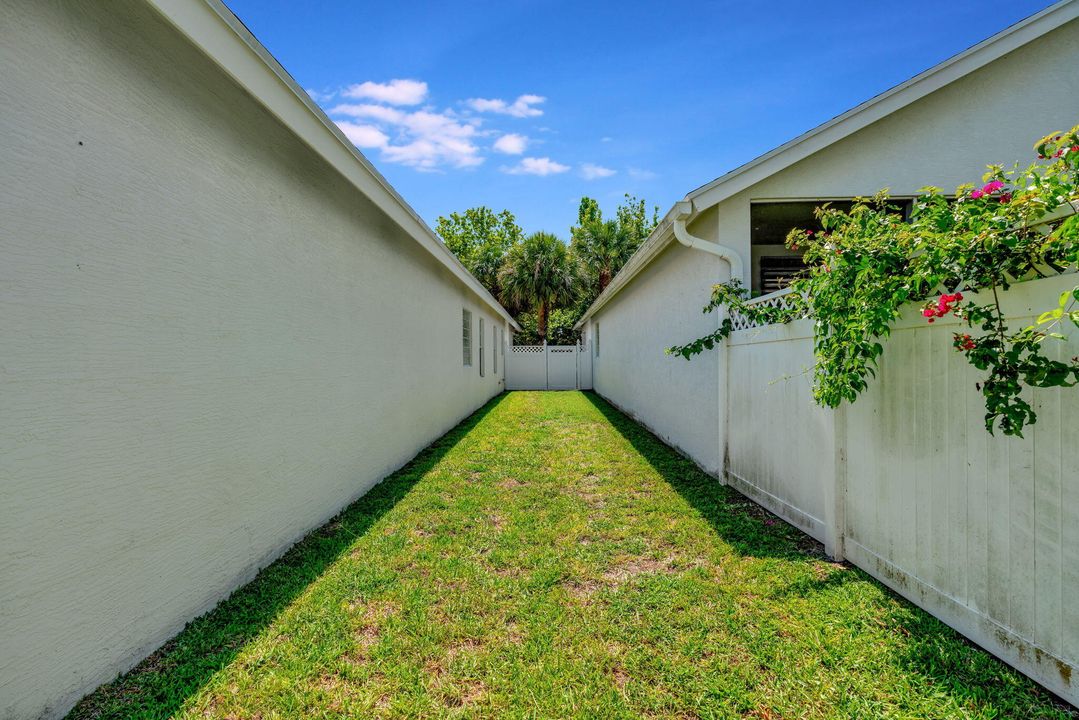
(980, 530)
(549, 367)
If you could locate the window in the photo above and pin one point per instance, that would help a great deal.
(597, 340)
(466, 336)
(777, 272)
(494, 349)
(774, 265)
(481, 347)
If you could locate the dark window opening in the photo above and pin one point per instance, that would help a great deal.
(775, 265)
(777, 273)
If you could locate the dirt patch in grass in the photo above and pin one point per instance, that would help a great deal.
(631, 568)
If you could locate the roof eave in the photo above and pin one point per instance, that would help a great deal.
(660, 238)
(222, 37)
(838, 128)
(888, 102)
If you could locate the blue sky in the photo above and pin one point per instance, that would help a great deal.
(530, 105)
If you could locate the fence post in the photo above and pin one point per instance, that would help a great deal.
(835, 488)
(723, 391)
(546, 366)
(577, 364)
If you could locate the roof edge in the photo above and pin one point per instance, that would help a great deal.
(828, 133)
(839, 127)
(660, 238)
(222, 37)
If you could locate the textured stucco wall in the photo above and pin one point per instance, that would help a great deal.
(677, 400)
(211, 343)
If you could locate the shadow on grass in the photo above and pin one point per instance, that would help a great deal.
(929, 648)
(743, 524)
(159, 685)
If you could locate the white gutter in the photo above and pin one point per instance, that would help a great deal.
(682, 211)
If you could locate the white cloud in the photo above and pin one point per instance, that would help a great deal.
(364, 136)
(422, 139)
(521, 107)
(536, 166)
(377, 112)
(639, 174)
(594, 172)
(606, 139)
(320, 97)
(395, 92)
(511, 144)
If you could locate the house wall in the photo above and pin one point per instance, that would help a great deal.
(944, 139)
(980, 530)
(211, 343)
(677, 400)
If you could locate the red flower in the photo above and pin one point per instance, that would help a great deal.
(963, 341)
(943, 307)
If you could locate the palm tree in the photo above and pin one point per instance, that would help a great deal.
(603, 247)
(539, 271)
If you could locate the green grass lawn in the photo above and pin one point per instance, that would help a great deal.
(549, 558)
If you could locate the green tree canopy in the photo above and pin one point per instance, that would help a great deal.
(539, 272)
(480, 238)
(604, 246)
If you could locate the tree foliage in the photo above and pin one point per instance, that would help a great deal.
(480, 238)
(494, 249)
(539, 272)
(868, 262)
(604, 246)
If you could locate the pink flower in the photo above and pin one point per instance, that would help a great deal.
(975, 194)
(1005, 197)
(993, 187)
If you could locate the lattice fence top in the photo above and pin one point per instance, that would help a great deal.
(563, 349)
(527, 349)
(780, 299)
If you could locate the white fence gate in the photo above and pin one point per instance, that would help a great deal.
(549, 367)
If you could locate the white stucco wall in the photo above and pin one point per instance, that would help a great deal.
(211, 343)
(677, 400)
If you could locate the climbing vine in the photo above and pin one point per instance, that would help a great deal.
(866, 263)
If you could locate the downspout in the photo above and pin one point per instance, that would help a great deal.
(682, 211)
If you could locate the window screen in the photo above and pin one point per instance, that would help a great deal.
(466, 335)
